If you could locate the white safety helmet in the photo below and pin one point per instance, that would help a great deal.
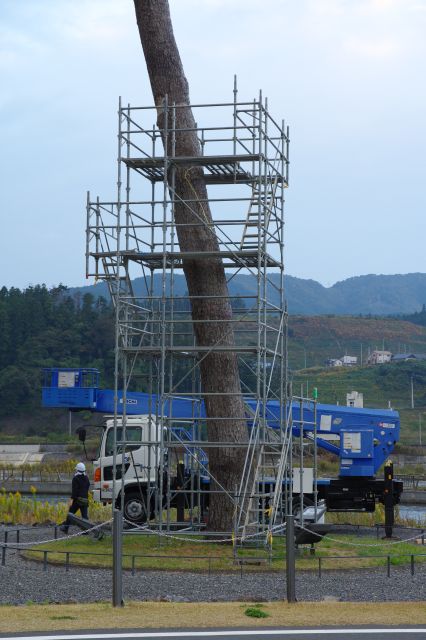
(80, 467)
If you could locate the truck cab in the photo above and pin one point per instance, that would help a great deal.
(141, 445)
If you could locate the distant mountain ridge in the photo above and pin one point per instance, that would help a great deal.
(371, 294)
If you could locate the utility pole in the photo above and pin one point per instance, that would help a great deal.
(412, 392)
(420, 429)
(117, 514)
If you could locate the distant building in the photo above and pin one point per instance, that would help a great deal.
(333, 362)
(401, 357)
(379, 357)
(345, 361)
(355, 399)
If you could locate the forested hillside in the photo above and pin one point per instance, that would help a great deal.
(41, 328)
(314, 339)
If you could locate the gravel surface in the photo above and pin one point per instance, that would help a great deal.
(22, 581)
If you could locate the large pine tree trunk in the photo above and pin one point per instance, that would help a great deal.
(205, 277)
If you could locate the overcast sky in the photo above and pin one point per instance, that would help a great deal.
(347, 75)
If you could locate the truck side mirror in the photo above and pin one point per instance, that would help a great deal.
(81, 432)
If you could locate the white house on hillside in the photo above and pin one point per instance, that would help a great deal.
(333, 362)
(345, 361)
(379, 357)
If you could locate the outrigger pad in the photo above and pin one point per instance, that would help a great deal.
(311, 533)
(86, 525)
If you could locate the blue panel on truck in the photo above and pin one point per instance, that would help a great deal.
(356, 452)
(70, 388)
(332, 419)
(69, 398)
(138, 403)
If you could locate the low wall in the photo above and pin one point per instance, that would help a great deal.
(20, 454)
(402, 459)
(19, 448)
(53, 448)
(49, 488)
(413, 497)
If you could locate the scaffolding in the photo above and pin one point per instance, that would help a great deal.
(132, 244)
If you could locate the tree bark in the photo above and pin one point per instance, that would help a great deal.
(205, 277)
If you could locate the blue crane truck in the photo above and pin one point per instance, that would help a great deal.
(362, 439)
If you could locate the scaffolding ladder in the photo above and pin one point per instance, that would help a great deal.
(259, 213)
(261, 490)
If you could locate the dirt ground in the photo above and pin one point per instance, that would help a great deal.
(150, 615)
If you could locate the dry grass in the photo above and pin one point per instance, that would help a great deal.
(17, 509)
(148, 615)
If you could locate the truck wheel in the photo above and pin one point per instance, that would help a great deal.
(135, 507)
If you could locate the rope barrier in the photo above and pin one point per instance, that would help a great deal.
(18, 545)
(233, 538)
(357, 544)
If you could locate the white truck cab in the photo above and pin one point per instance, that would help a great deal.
(141, 462)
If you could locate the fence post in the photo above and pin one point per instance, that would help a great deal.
(67, 561)
(180, 498)
(388, 566)
(388, 499)
(412, 564)
(44, 560)
(133, 565)
(117, 568)
(290, 559)
(3, 556)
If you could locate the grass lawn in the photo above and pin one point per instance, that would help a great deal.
(149, 615)
(172, 554)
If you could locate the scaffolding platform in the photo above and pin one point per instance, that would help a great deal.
(174, 259)
(223, 169)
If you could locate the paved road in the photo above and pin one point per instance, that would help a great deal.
(235, 634)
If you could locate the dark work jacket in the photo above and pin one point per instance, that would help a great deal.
(80, 486)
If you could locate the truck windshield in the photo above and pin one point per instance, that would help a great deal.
(133, 434)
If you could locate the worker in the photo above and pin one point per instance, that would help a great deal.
(79, 495)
